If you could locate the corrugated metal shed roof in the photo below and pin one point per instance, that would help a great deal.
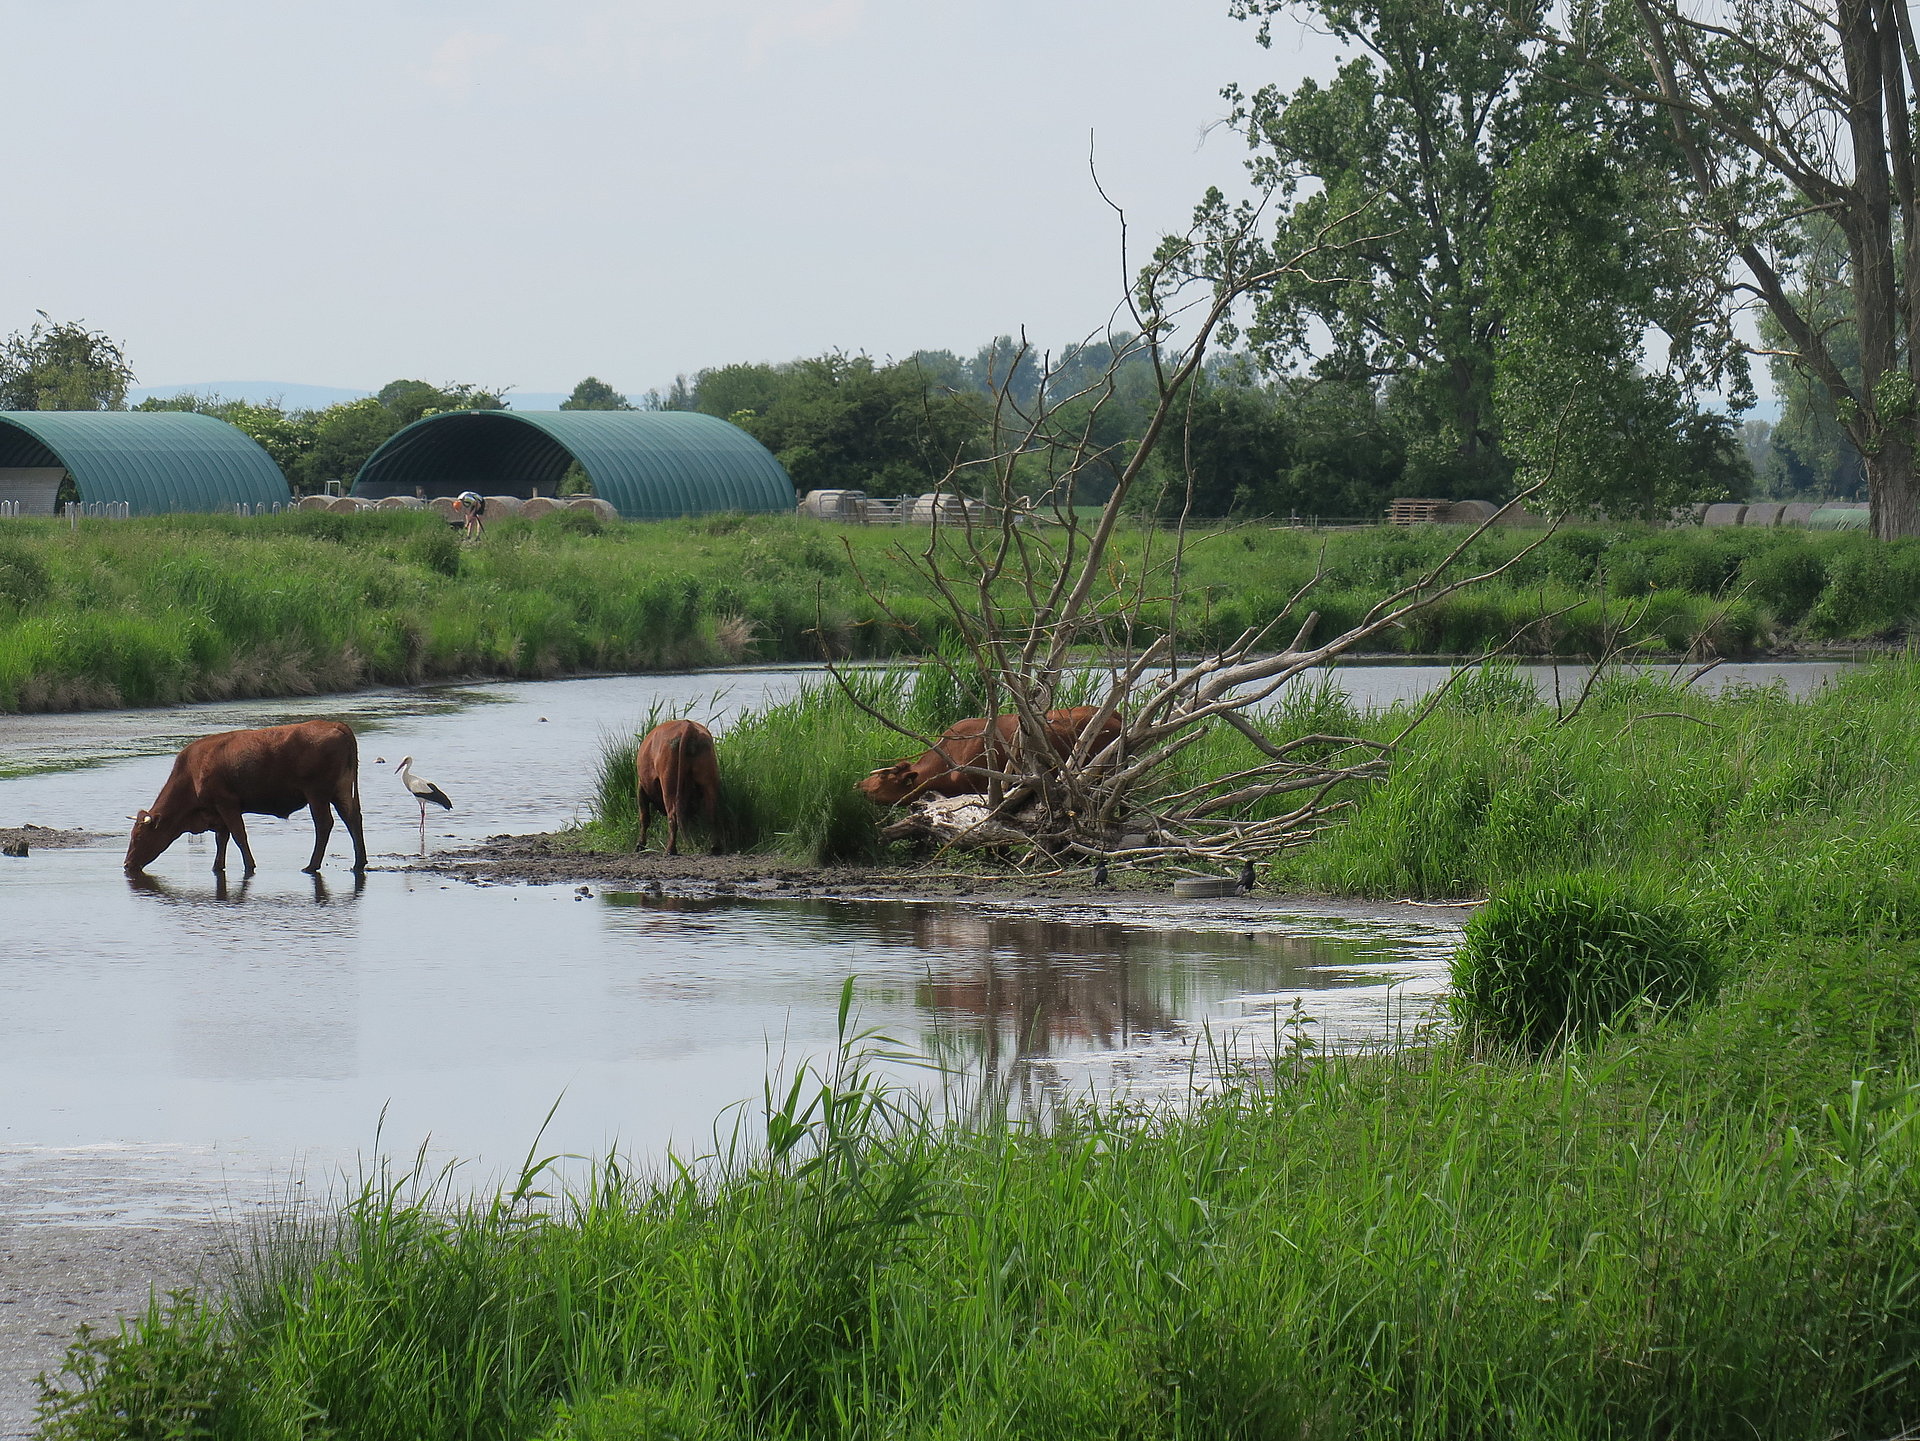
(157, 462)
(649, 464)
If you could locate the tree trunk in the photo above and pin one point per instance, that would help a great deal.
(1890, 484)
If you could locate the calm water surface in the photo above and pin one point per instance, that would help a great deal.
(169, 1046)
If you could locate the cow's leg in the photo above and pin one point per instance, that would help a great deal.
(233, 821)
(646, 823)
(350, 813)
(219, 850)
(673, 830)
(319, 809)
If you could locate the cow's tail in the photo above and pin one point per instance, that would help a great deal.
(348, 798)
(686, 749)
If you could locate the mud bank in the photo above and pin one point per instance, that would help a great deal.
(552, 860)
(53, 1279)
(43, 838)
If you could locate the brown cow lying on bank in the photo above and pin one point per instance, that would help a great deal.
(953, 766)
(679, 775)
(270, 772)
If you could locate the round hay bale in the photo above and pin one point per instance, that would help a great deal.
(1797, 512)
(1471, 512)
(315, 502)
(1766, 512)
(1725, 513)
(841, 505)
(593, 505)
(343, 505)
(498, 505)
(442, 506)
(540, 505)
(947, 509)
(1201, 888)
(399, 502)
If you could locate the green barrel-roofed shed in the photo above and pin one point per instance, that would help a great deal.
(155, 462)
(647, 464)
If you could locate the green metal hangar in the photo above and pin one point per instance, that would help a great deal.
(153, 462)
(647, 464)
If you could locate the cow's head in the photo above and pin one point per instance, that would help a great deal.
(151, 835)
(892, 785)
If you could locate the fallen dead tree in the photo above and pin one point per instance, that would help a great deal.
(1033, 588)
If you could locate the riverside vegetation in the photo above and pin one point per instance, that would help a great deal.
(182, 608)
(1685, 1209)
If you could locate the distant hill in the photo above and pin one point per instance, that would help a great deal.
(310, 397)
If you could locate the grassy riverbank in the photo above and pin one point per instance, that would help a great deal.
(1699, 1227)
(168, 609)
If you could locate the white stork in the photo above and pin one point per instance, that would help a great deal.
(424, 791)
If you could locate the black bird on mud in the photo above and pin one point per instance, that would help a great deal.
(1100, 874)
(1246, 877)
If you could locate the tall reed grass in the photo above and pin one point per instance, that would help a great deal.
(1417, 1248)
(179, 608)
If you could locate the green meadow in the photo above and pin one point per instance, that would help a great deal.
(1678, 1204)
(169, 609)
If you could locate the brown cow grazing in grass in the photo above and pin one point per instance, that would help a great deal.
(270, 772)
(678, 775)
(953, 767)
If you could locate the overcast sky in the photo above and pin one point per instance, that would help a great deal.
(521, 194)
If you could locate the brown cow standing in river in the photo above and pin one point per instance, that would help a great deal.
(953, 766)
(678, 774)
(270, 772)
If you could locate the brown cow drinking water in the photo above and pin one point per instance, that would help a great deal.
(270, 772)
(677, 774)
(955, 765)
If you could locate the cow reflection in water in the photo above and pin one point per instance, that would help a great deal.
(323, 894)
(1018, 988)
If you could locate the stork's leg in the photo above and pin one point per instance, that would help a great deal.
(322, 828)
(423, 828)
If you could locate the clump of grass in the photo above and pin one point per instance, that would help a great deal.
(1564, 959)
(787, 775)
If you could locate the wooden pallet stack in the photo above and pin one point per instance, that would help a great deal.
(1418, 512)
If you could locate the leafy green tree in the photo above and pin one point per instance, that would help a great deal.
(842, 422)
(1400, 160)
(1779, 113)
(595, 394)
(1584, 260)
(1230, 456)
(62, 365)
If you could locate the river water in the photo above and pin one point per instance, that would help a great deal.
(173, 1047)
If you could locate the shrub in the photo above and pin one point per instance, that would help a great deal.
(1570, 956)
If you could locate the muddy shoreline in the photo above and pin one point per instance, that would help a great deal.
(554, 860)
